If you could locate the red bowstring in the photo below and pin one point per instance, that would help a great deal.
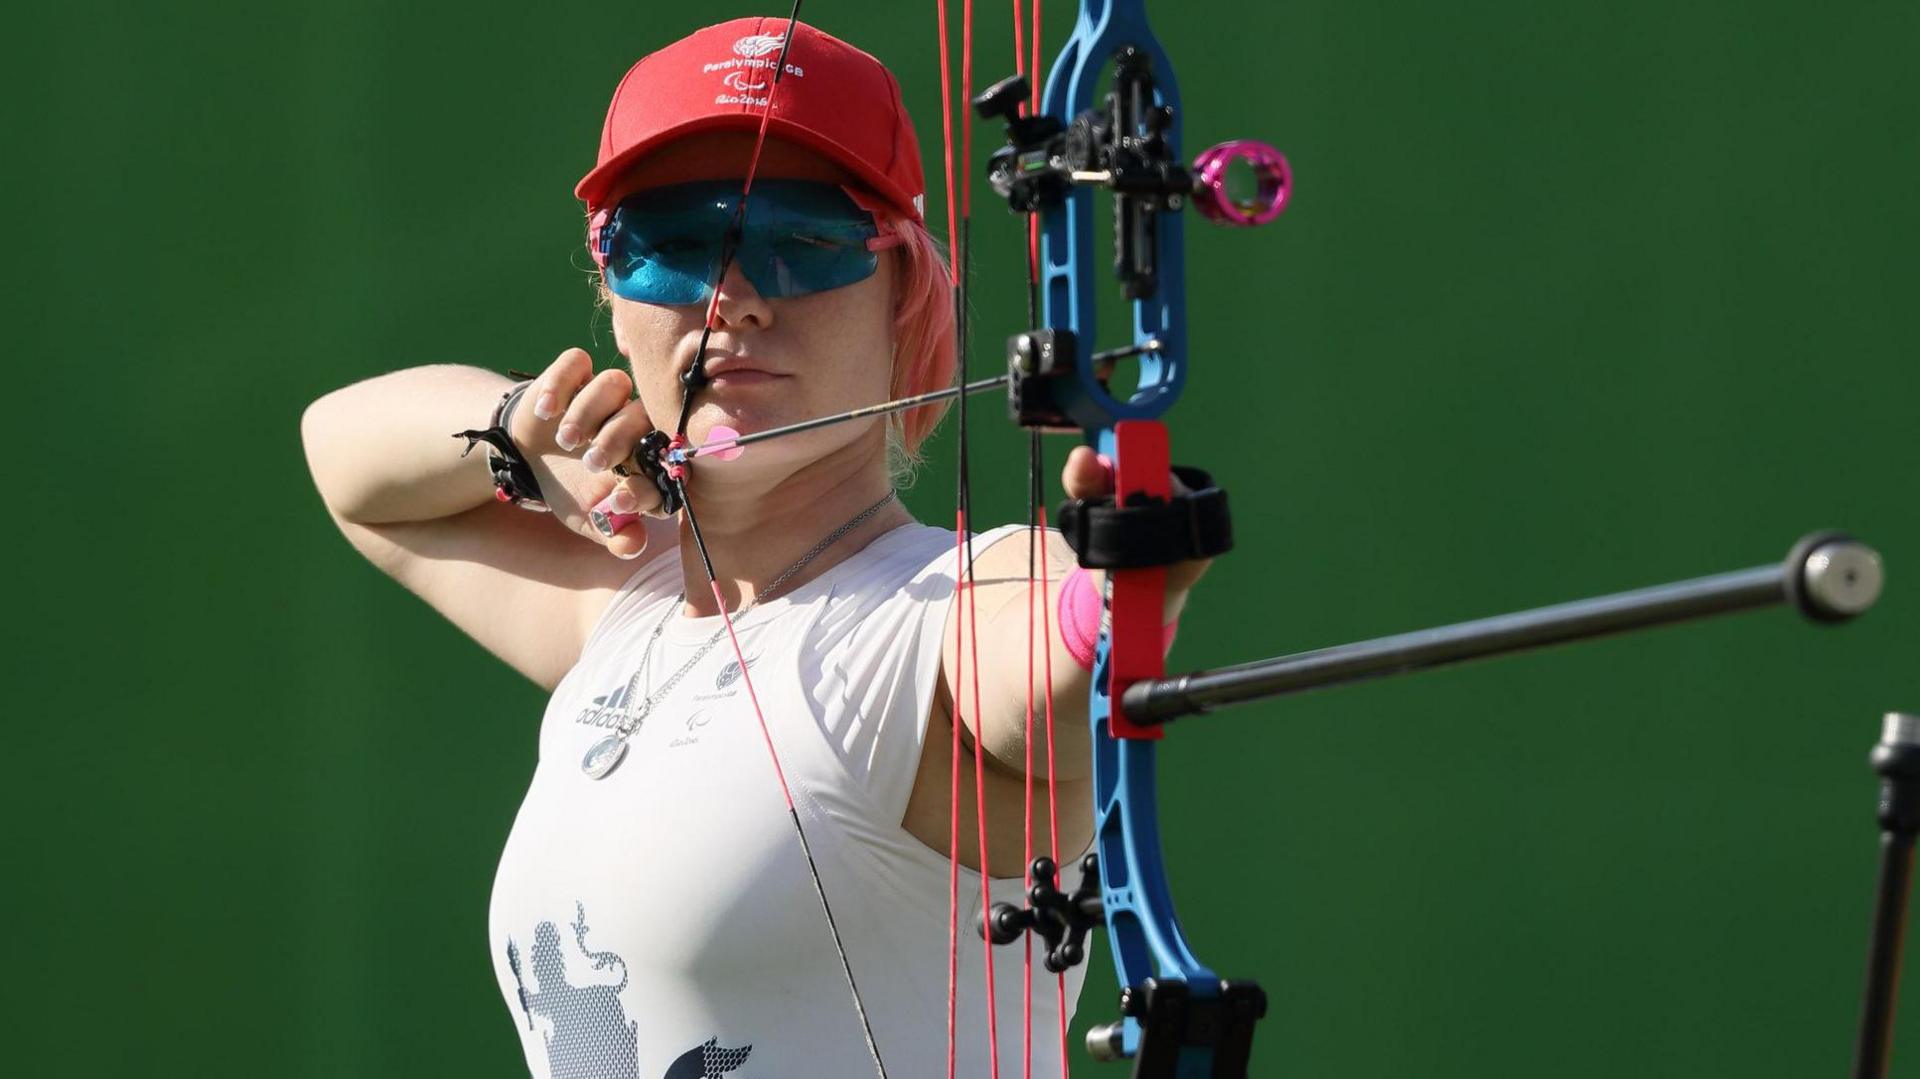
(973, 616)
(953, 816)
(959, 534)
(719, 596)
(967, 665)
(1033, 222)
(1039, 595)
(753, 167)
(980, 823)
(1026, 831)
(1023, 64)
(946, 143)
(1046, 587)
(1033, 540)
(966, 113)
(1053, 803)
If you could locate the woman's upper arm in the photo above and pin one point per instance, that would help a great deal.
(526, 589)
(996, 654)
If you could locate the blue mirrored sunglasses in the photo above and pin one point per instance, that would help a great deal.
(663, 245)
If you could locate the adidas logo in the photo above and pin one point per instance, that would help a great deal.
(605, 710)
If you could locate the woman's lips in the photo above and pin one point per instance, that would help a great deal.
(744, 376)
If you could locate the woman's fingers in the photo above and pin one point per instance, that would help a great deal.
(606, 395)
(1089, 475)
(618, 527)
(1086, 474)
(550, 394)
(614, 443)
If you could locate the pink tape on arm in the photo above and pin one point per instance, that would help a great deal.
(1080, 619)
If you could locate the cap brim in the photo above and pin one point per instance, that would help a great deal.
(593, 187)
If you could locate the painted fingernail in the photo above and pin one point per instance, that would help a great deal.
(543, 405)
(1105, 461)
(568, 436)
(608, 521)
(623, 501)
(594, 459)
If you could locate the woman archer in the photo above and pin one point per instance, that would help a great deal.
(748, 791)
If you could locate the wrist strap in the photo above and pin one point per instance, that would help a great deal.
(513, 478)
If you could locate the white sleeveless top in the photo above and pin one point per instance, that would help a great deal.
(660, 923)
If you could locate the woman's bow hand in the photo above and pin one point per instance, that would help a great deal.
(1087, 475)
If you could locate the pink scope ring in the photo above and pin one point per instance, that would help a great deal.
(1273, 183)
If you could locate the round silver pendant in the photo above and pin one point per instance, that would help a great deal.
(604, 756)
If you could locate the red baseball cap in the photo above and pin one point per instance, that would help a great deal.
(834, 99)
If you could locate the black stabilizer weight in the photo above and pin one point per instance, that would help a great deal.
(1062, 919)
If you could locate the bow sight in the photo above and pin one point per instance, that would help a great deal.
(1124, 146)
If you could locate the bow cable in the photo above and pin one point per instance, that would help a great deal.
(966, 674)
(1039, 593)
(692, 381)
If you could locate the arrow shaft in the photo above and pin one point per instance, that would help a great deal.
(881, 409)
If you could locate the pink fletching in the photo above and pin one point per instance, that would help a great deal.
(720, 444)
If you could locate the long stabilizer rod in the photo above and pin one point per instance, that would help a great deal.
(1828, 576)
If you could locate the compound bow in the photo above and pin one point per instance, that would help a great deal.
(1179, 1018)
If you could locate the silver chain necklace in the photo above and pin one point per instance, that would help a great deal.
(606, 754)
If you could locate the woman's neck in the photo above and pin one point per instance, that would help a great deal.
(757, 527)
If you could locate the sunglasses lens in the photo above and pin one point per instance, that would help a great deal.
(800, 237)
(661, 269)
(799, 257)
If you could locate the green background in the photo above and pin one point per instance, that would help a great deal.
(1573, 298)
